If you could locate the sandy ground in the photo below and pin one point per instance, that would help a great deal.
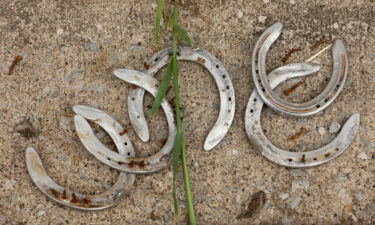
(69, 50)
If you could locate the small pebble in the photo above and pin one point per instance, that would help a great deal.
(321, 131)
(73, 75)
(300, 184)
(342, 193)
(239, 14)
(284, 196)
(334, 128)
(286, 221)
(59, 31)
(41, 212)
(262, 19)
(266, 1)
(362, 156)
(295, 202)
(96, 88)
(336, 25)
(91, 46)
(292, 2)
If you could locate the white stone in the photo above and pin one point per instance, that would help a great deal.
(284, 196)
(321, 131)
(59, 31)
(342, 193)
(239, 14)
(362, 156)
(334, 128)
(295, 202)
(336, 25)
(262, 19)
(300, 184)
(292, 2)
(266, 1)
(41, 212)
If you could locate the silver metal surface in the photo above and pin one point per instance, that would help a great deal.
(218, 72)
(76, 200)
(262, 84)
(294, 159)
(140, 165)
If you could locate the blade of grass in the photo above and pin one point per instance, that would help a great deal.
(162, 90)
(183, 34)
(159, 13)
(175, 158)
(179, 135)
(189, 200)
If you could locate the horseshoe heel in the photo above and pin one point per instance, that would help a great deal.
(139, 165)
(76, 200)
(218, 72)
(294, 159)
(320, 102)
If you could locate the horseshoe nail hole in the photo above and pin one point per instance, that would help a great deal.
(337, 149)
(337, 86)
(290, 159)
(126, 143)
(251, 110)
(229, 99)
(228, 87)
(133, 99)
(317, 106)
(326, 100)
(264, 130)
(120, 163)
(263, 89)
(315, 159)
(156, 59)
(223, 76)
(128, 153)
(217, 66)
(109, 159)
(138, 117)
(229, 111)
(255, 99)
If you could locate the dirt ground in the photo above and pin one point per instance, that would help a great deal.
(69, 50)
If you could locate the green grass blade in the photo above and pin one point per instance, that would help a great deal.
(159, 13)
(162, 90)
(177, 145)
(189, 200)
(183, 35)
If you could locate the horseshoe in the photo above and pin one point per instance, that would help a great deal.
(320, 102)
(283, 157)
(76, 200)
(218, 72)
(139, 165)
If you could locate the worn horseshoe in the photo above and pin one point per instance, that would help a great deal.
(283, 157)
(218, 72)
(262, 84)
(80, 201)
(139, 165)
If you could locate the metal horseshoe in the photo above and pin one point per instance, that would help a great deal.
(218, 72)
(262, 84)
(139, 165)
(283, 157)
(76, 200)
